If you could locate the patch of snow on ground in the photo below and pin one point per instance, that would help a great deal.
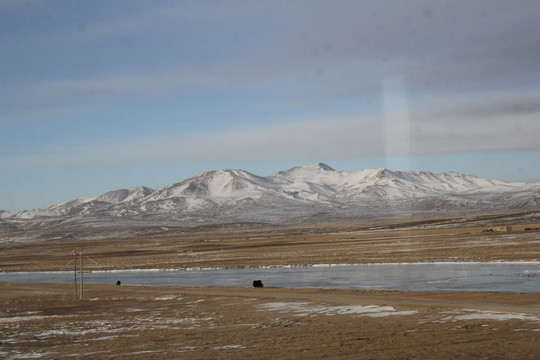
(74, 332)
(186, 348)
(166, 297)
(306, 308)
(25, 318)
(88, 353)
(32, 355)
(491, 315)
(229, 347)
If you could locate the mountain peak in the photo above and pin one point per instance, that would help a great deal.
(382, 171)
(309, 168)
(324, 167)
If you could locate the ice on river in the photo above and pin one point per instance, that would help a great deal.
(494, 276)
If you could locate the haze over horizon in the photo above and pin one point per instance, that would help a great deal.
(100, 95)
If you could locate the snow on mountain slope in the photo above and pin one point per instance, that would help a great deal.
(399, 183)
(305, 191)
(125, 195)
(53, 210)
(212, 188)
(86, 205)
(5, 213)
(318, 174)
(309, 183)
(384, 190)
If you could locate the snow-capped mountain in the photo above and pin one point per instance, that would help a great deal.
(315, 191)
(87, 205)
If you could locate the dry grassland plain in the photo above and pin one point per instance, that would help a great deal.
(129, 322)
(417, 240)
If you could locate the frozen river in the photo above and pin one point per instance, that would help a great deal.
(501, 277)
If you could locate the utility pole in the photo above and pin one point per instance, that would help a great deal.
(81, 254)
(75, 271)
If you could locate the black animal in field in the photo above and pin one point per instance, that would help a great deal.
(118, 282)
(257, 284)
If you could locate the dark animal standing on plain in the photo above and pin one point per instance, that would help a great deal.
(118, 282)
(257, 284)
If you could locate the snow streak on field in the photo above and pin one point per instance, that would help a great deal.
(309, 309)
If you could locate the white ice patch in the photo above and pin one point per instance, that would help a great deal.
(306, 308)
(166, 297)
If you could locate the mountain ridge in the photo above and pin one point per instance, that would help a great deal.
(313, 191)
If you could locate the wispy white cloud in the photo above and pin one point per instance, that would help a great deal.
(476, 134)
(301, 140)
(63, 95)
(172, 18)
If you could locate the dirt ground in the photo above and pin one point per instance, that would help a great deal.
(129, 322)
(121, 322)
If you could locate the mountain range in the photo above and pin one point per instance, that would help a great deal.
(316, 192)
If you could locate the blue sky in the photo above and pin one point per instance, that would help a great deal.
(102, 95)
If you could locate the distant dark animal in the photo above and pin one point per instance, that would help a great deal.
(118, 282)
(257, 284)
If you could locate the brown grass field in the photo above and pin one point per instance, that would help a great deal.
(417, 240)
(129, 322)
